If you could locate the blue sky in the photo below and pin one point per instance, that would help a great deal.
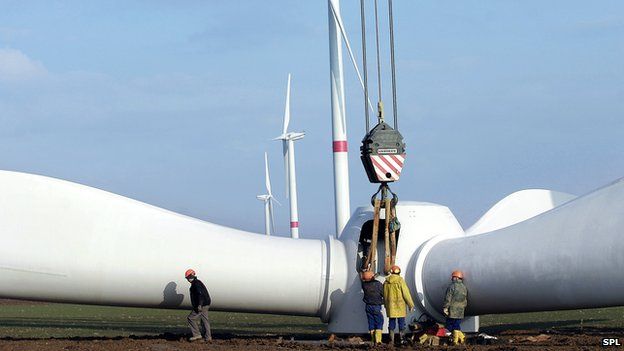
(174, 104)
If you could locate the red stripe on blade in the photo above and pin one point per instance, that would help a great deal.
(294, 224)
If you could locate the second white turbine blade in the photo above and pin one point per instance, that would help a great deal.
(287, 108)
(267, 179)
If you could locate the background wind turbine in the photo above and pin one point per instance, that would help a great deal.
(269, 219)
(288, 145)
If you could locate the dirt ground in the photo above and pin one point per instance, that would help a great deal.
(513, 340)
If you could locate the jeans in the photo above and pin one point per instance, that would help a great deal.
(374, 316)
(392, 323)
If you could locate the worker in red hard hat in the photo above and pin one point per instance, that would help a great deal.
(397, 299)
(373, 298)
(200, 300)
(455, 303)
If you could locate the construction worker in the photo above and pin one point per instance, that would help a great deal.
(373, 298)
(397, 298)
(200, 299)
(454, 305)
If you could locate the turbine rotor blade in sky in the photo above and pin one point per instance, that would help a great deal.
(287, 108)
(267, 179)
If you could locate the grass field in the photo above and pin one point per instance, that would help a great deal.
(37, 320)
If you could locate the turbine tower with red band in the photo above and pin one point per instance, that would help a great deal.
(288, 144)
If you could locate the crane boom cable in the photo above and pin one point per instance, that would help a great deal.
(364, 67)
(378, 58)
(393, 66)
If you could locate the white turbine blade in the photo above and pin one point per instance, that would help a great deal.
(267, 180)
(274, 199)
(348, 45)
(272, 216)
(287, 108)
(286, 165)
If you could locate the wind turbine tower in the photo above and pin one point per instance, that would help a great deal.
(269, 219)
(288, 143)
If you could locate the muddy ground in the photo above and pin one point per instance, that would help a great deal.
(513, 340)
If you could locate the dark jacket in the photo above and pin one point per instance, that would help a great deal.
(199, 294)
(373, 292)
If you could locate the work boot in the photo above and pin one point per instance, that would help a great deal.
(402, 340)
(391, 334)
(378, 335)
(455, 337)
(461, 337)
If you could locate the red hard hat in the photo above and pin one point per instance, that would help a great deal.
(457, 274)
(188, 273)
(367, 276)
(395, 269)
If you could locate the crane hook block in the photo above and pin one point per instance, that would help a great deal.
(383, 154)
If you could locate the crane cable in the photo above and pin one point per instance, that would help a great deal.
(366, 100)
(379, 103)
(393, 66)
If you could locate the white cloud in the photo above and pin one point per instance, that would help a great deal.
(16, 66)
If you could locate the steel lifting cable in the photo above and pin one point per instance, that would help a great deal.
(379, 103)
(363, 22)
(393, 67)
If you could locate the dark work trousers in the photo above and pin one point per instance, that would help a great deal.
(374, 316)
(452, 324)
(195, 317)
(393, 322)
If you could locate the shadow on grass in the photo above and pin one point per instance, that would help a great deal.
(565, 325)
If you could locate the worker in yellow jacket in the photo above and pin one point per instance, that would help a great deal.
(397, 299)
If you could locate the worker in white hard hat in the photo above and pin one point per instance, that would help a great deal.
(200, 299)
(455, 303)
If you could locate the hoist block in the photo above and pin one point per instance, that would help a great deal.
(383, 154)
